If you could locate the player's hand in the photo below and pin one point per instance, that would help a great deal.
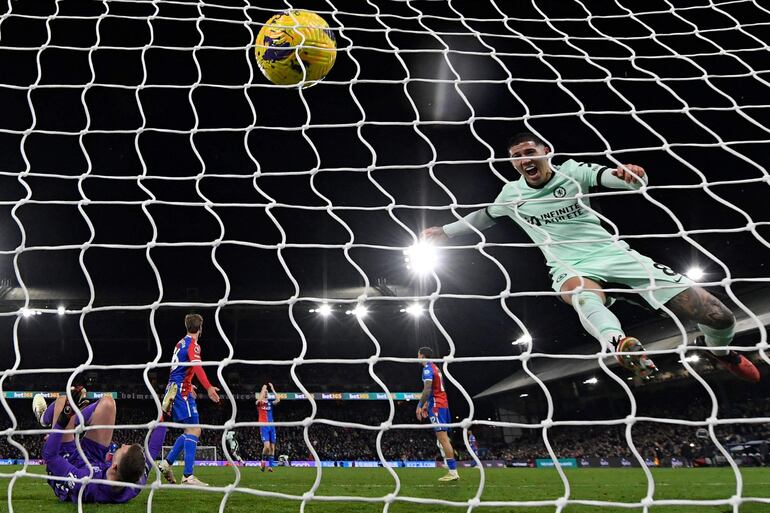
(213, 395)
(271, 387)
(422, 413)
(434, 234)
(193, 392)
(629, 173)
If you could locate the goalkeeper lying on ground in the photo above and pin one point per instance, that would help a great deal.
(584, 259)
(128, 464)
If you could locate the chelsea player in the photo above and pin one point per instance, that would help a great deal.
(184, 409)
(434, 405)
(583, 257)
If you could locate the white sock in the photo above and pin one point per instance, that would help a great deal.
(596, 318)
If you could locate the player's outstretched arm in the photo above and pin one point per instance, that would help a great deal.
(194, 354)
(155, 444)
(626, 176)
(275, 394)
(479, 219)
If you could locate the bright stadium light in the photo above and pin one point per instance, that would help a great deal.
(26, 312)
(415, 309)
(421, 258)
(360, 311)
(695, 273)
(324, 310)
(60, 310)
(692, 358)
(591, 381)
(522, 340)
(524, 395)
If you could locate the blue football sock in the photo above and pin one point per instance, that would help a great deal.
(190, 444)
(173, 454)
(451, 463)
(271, 461)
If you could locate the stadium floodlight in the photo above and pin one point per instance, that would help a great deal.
(324, 310)
(695, 273)
(415, 309)
(60, 310)
(421, 258)
(27, 312)
(524, 395)
(692, 358)
(591, 381)
(358, 311)
(522, 340)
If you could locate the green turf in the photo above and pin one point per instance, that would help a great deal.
(624, 485)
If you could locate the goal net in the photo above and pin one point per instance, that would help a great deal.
(149, 170)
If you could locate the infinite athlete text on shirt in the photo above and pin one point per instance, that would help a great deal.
(554, 216)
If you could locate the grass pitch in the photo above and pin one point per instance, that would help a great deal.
(617, 485)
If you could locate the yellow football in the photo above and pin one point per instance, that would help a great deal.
(296, 47)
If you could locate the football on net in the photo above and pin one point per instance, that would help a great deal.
(296, 47)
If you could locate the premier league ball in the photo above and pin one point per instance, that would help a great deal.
(296, 47)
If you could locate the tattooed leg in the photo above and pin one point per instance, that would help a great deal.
(696, 304)
(717, 324)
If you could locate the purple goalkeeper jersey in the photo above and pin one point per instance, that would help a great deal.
(63, 460)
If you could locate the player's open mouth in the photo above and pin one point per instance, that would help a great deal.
(530, 170)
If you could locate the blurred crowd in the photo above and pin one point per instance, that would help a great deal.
(653, 440)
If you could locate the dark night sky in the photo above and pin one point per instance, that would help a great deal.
(229, 137)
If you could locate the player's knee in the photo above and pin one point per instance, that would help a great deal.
(61, 400)
(107, 405)
(721, 318)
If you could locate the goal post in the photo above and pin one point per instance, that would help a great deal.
(148, 170)
(202, 453)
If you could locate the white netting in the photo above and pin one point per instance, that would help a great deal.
(203, 452)
(156, 110)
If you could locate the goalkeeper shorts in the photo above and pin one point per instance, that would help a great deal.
(627, 267)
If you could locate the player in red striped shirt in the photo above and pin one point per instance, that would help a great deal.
(265, 405)
(185, 409)
(435, 406)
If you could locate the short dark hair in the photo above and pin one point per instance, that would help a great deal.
(524, 137)
(193, 323)
(131, 465)
(426, 351)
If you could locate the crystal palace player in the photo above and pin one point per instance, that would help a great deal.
(474, 446)
(580, 252)
(185, 409)
(434, 405)
(62, 459)
(265, 407)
